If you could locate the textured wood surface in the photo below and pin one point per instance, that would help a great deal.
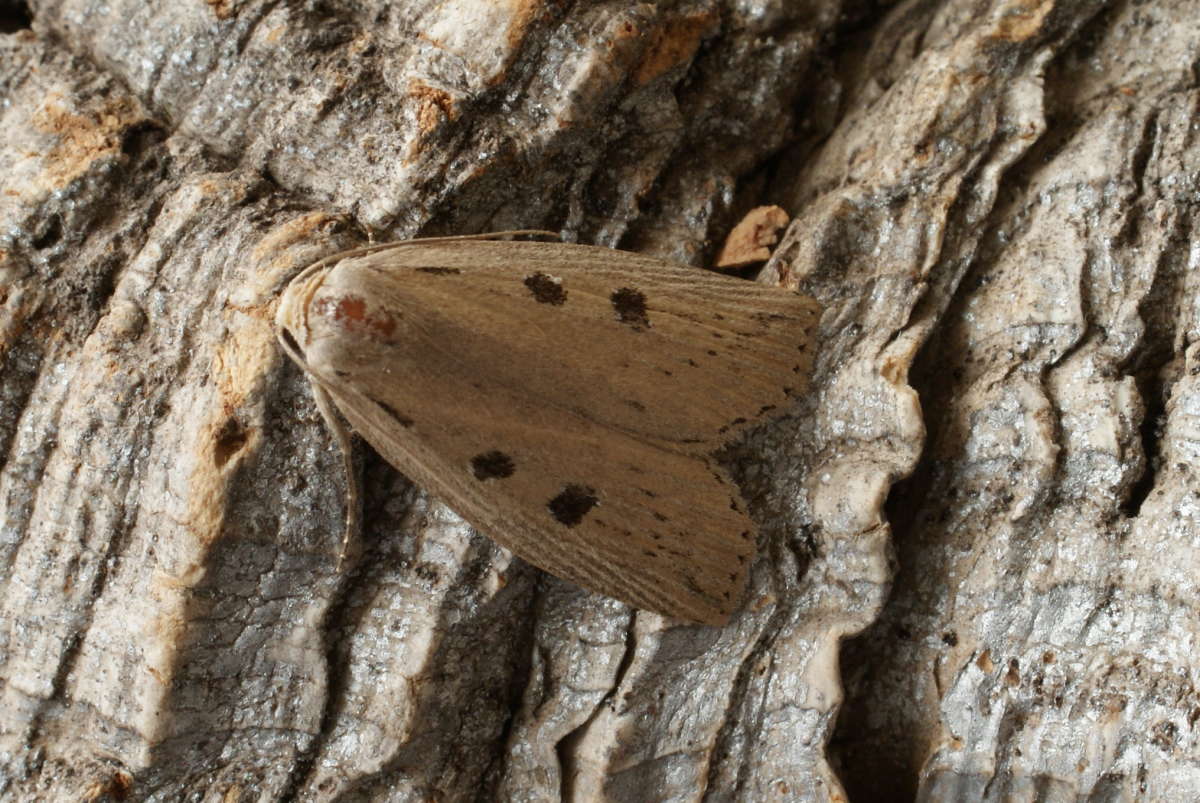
(979, 530)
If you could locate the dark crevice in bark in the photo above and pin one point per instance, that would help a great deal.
(15, 15)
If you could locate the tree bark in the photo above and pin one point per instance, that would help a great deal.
(979, 529)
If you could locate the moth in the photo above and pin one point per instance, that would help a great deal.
(566, 400)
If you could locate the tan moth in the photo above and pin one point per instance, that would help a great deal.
(566, 400)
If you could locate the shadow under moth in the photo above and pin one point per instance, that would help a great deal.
(566, 400)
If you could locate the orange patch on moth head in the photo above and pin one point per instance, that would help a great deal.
(352, 314)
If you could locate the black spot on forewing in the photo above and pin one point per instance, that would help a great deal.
(492, 465)
(630, 306)
(572, 504)
(439, 271)
(396, 415)
(546, 289)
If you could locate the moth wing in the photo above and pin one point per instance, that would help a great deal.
(567, 401)
(659, 530)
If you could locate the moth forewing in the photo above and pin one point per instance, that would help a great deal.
(566, 400)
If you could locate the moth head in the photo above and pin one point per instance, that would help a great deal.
(291, 317)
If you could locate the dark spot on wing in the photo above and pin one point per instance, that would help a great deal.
(572, 504)
(492, 465)
(439, 271)
(712, 353)
(399, 418)
(546, 289)
(637, 405)
(630, 306)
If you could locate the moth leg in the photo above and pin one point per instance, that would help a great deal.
(353, 482)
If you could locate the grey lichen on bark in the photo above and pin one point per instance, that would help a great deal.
(977, 529)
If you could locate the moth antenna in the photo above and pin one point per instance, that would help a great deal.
(375, 248)
(353, 481)
(491, 235)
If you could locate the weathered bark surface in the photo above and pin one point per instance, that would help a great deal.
(996, 204)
